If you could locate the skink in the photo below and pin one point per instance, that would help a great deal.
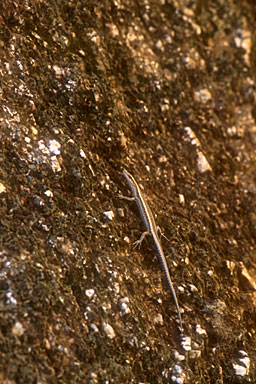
(150, 225)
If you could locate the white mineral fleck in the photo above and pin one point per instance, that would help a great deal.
(48, 193)
(240, 370)
(193, 288)
(202, 163)
(158, 319)
(178, 356)
(82, 154)
(10, 298)
(203, 95)
(54, 147)
(243, 368)
(186, 343)
(90, 293)
(94, 327)
(181, 199)
(124, 306)
(17, 329)
(2, 188)
(109, 214)
(109, 330)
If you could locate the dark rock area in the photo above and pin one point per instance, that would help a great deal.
(165, 89)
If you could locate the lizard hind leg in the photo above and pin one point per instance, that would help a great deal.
(138, 242)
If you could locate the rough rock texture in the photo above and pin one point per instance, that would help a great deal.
(165, 88)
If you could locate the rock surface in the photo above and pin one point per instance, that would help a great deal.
(165, 89)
